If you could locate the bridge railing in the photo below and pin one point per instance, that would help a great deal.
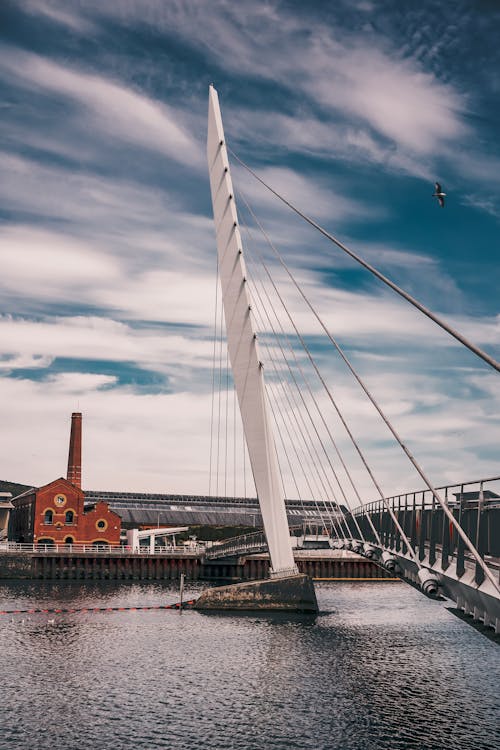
(451, 493)
(98, 549)
(254, 542)
(475, 505)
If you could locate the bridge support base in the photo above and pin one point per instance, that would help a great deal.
(291, 594)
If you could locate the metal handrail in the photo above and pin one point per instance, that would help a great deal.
(245, 542)
(101, 549)
(422, 498)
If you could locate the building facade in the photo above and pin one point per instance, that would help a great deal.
(55, 514)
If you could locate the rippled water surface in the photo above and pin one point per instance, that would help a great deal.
(381, 667)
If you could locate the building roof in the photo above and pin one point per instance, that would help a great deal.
(44, 486)
(5, 500)
(487, 495)
(26, 492)
(150, 499)
(137, 509)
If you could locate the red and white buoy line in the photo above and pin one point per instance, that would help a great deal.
(71, 610)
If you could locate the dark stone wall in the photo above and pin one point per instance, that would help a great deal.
(116, 567)
(14, 566)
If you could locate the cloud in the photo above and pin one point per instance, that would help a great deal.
(105, 340)
(328, 66)
(483, 331)
(77, 383)
(487, 203)
(47, 269)
(60, 194)
(140, 224)
(58, 15)
(53, 269)
(443, 424)
(328, 139)
(137, 441)
(357, 97)
(51, 266)
(14, 361)
(108, 106)
(314, 197)
(364, 317)
(129, 439)
(406, 105)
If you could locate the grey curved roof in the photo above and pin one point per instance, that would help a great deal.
(195, 510)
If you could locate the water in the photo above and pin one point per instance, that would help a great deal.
(381, 667)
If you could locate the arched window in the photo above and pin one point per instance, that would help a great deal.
(69, 540)
(69, 517)
(48, 517)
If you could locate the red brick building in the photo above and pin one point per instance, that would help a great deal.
(55, 513)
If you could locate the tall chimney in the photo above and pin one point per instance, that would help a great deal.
(75, 450)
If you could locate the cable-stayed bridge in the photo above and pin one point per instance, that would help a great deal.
(447, 564)
(297, 431)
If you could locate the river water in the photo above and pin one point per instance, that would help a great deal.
(381, 667)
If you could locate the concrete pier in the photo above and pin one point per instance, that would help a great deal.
(292, 594)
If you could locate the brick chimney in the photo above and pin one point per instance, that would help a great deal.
(75, 450)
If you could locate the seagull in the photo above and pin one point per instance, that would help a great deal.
(439, 194)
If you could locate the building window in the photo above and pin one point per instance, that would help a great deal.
(69, 517)
(101, 524)
(48, 517)
(69, 540)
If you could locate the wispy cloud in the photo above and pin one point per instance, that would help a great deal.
(103, 339)
(399, 101)
(116, 110)
(48, 265)
(45, 268)
(329, 67)
(315, 197)
(489, 204)
(63, 16)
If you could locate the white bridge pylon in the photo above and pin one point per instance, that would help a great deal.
(242, 345)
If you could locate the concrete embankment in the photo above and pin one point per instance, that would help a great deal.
(143, 567)
(289, 594)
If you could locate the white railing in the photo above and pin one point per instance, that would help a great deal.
(100, 549)
(254, 542)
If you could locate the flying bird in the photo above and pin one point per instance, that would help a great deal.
(439, 194)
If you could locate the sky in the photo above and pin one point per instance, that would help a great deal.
(352, 110)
